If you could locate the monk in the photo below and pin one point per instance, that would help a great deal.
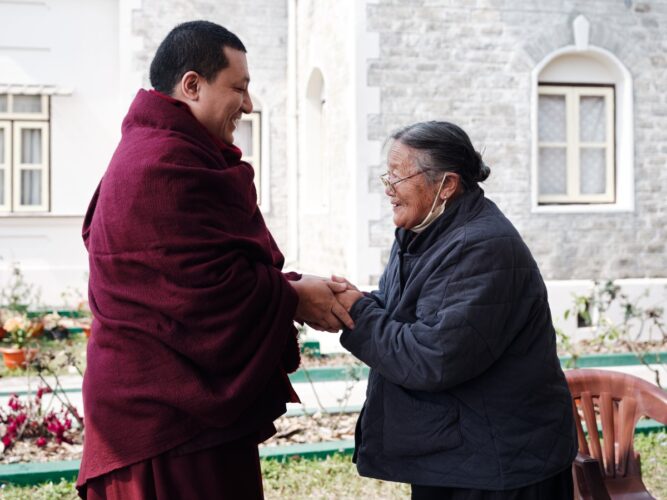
(194, 320)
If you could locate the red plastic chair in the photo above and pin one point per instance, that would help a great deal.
(611, 469)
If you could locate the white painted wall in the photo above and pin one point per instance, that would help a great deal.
(325, 91)
(364, 260)
(73, 45)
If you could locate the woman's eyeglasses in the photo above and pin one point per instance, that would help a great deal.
(391, 184)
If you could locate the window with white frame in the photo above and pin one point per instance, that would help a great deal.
(248, 139)
(576, 157)
(24, 153)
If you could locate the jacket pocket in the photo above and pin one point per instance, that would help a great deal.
(415, 427)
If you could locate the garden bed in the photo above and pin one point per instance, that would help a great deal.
(315, 428)
(291, 430)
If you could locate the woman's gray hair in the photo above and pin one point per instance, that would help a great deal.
(444, 147)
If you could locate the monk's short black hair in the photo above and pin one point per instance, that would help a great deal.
(192, 46)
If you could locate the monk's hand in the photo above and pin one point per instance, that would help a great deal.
(318, 305)
(340, 279)
(348, 298)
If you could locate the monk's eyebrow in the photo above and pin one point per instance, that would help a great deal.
(242, 83)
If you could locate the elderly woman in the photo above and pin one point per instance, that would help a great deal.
(466, 398)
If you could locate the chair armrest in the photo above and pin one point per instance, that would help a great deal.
(589, 479)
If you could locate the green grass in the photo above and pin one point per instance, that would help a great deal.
(337, 478)
(653, 450)
(333, 478)
(64, 490)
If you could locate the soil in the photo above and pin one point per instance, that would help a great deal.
(315, 428)
(27, 451)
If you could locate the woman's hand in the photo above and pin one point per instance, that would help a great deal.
(348, 298)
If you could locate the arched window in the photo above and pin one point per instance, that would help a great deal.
(313, 171)
(582, 124)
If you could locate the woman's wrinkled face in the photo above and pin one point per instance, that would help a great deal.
(412, 198)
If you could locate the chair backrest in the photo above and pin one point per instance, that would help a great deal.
(617, 401)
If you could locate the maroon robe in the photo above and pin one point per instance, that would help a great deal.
(193, 333)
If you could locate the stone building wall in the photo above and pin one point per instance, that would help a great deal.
(262, 26)
(470, 62)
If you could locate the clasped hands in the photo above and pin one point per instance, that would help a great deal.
(324, 304)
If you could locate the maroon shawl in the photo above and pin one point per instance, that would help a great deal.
(193, 326)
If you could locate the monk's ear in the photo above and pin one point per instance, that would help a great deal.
(189, 85)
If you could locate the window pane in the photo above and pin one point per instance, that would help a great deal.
(31, 187)
(31, 146)
(27, 104)
(592, 119)
(593, 170)
(2, 187)
(3, 103)
(551, 118)
(2, 146)
(552, 171)
(243, 137)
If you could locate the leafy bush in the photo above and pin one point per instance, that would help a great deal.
(639, 328)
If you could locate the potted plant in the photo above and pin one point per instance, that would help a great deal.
(55, 326)
(20, 333)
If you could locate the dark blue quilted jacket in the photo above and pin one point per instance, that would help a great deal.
(465, 388)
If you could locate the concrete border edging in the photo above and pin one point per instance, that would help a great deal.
(31, 473)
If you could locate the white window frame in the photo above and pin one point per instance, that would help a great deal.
(6, 165)
(255, 159)
(615, 73)
(19, 167)
(574, 145)
(14, 123)
(42, 115)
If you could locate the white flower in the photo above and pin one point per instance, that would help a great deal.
(66, 323)
(51, 320)
(16, 323)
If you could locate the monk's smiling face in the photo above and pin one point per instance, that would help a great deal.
(220, 102)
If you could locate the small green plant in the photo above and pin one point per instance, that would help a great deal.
(637, 331)
(18, 295)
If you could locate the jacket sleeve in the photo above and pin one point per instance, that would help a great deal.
(475, 318)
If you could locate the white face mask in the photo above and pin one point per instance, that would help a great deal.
(434, 213)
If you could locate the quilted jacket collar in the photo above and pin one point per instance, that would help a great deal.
(456, 214)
